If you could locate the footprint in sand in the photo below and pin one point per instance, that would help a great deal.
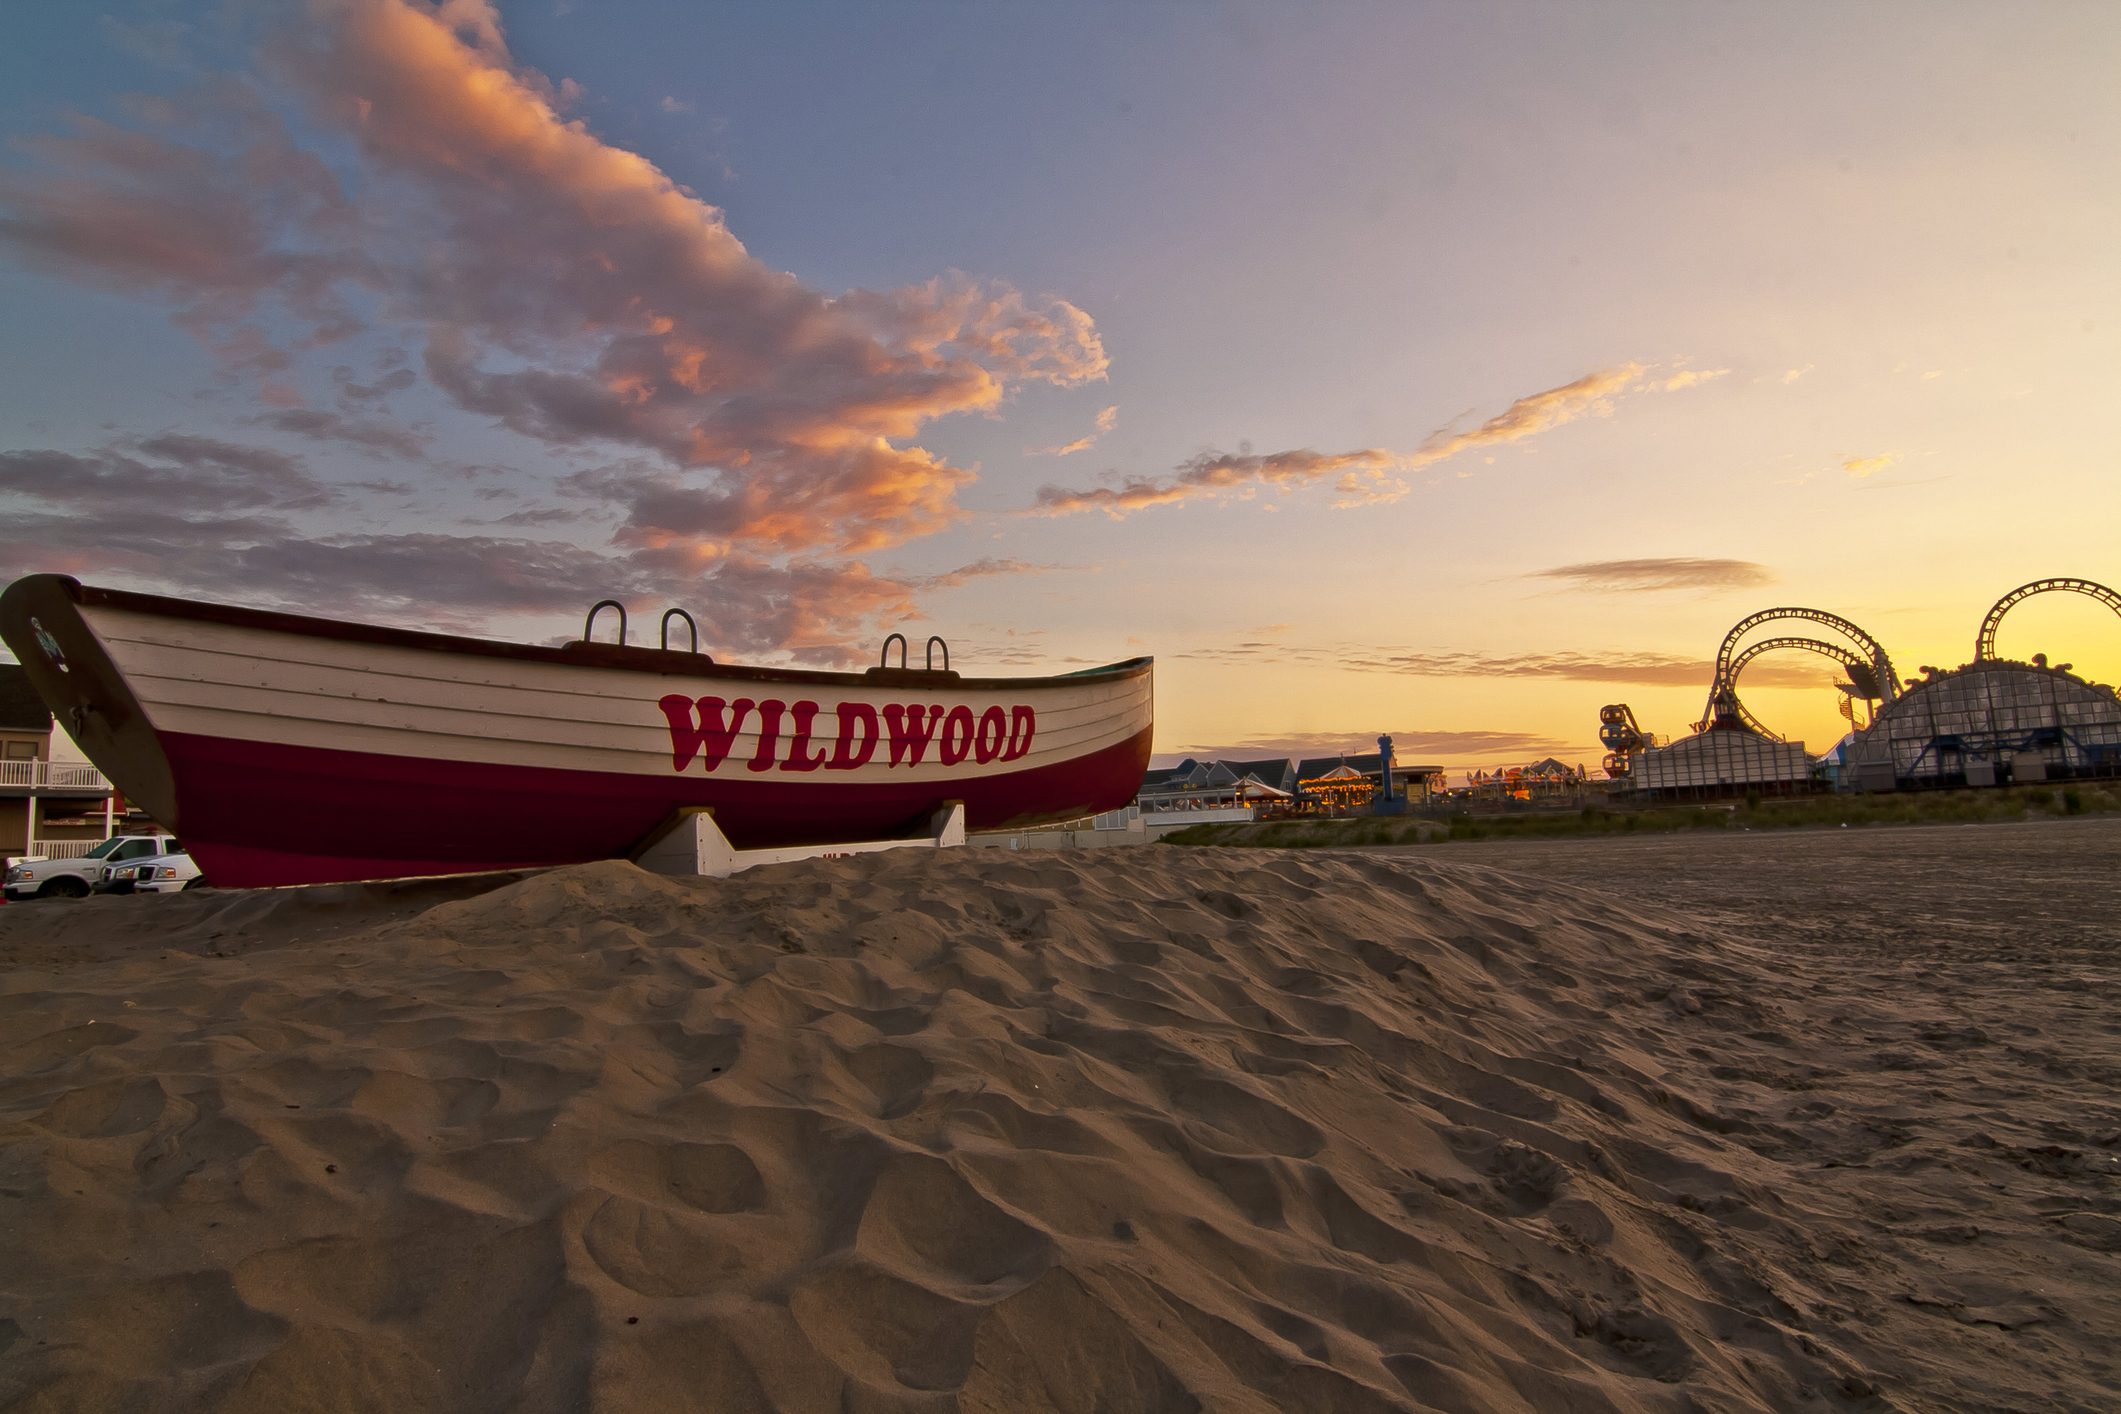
(708, 1178)
(925, 1221)
(896, 1077)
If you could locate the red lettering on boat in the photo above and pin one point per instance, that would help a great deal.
(1023, 722)
(708, 735)
(957, 735)
(993, 735)
(800, 757)
(912, 726)
(848, 753)
(769, 734)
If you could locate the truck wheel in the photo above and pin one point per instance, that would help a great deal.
(64, 888)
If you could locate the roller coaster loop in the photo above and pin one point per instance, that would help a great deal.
(1845, 657)
(1872, 673)
(1985, 645)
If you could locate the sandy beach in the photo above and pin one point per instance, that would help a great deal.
(1805, 1121)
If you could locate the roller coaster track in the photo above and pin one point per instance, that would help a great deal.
(1845, 657)
(1985, 645)
(1872, 663)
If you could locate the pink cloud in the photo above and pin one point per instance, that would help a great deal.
(562, 285)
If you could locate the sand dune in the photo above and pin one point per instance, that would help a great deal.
(1153, 1129)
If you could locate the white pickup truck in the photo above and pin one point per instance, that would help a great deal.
(38, 877)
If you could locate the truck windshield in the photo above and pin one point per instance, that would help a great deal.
(103, 850)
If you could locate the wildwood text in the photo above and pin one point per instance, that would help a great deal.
(786, 737)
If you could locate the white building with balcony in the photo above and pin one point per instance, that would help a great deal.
(52, 801)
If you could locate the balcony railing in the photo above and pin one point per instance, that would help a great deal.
(50, 775)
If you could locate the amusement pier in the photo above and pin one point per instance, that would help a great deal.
(1990, 722)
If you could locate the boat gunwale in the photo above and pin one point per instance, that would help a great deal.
(658, 661)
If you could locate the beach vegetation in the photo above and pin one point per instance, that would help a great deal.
(1959, 807)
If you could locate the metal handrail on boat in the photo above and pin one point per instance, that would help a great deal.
(668, 615)
(589, 624)
(935, 641)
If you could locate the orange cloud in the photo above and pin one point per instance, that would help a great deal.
(1207, 474)
(1861, 467)
(1589, 396)
(1106, 421)
(1360, 477)
(561, 284)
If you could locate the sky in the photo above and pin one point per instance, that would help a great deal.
(1434, 369)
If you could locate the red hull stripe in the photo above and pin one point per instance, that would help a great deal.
(258, 814)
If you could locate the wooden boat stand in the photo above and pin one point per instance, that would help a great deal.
(689, 842)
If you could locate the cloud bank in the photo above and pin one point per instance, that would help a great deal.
(564, 287)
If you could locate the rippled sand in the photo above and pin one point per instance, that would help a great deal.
(1801, 1121)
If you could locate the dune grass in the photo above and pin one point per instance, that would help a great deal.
(1959, 807)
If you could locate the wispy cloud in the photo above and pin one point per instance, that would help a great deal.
(364, 434)
(1106, 421)
(1796, 373)
(352, 392)
(1693, 377)
(1618, 666)
(675, 106)
(175, 472)
(983, 569)
(1208, 473)
(1361, 476)
(1640, 576)
(1590, 395)
(1860, 467)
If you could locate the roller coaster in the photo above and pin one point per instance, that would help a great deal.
(1871, 675)
(1985, 644)
(1869, 670)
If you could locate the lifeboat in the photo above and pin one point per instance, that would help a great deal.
(287, 749)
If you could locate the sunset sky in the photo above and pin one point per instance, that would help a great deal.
(1448, 370)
